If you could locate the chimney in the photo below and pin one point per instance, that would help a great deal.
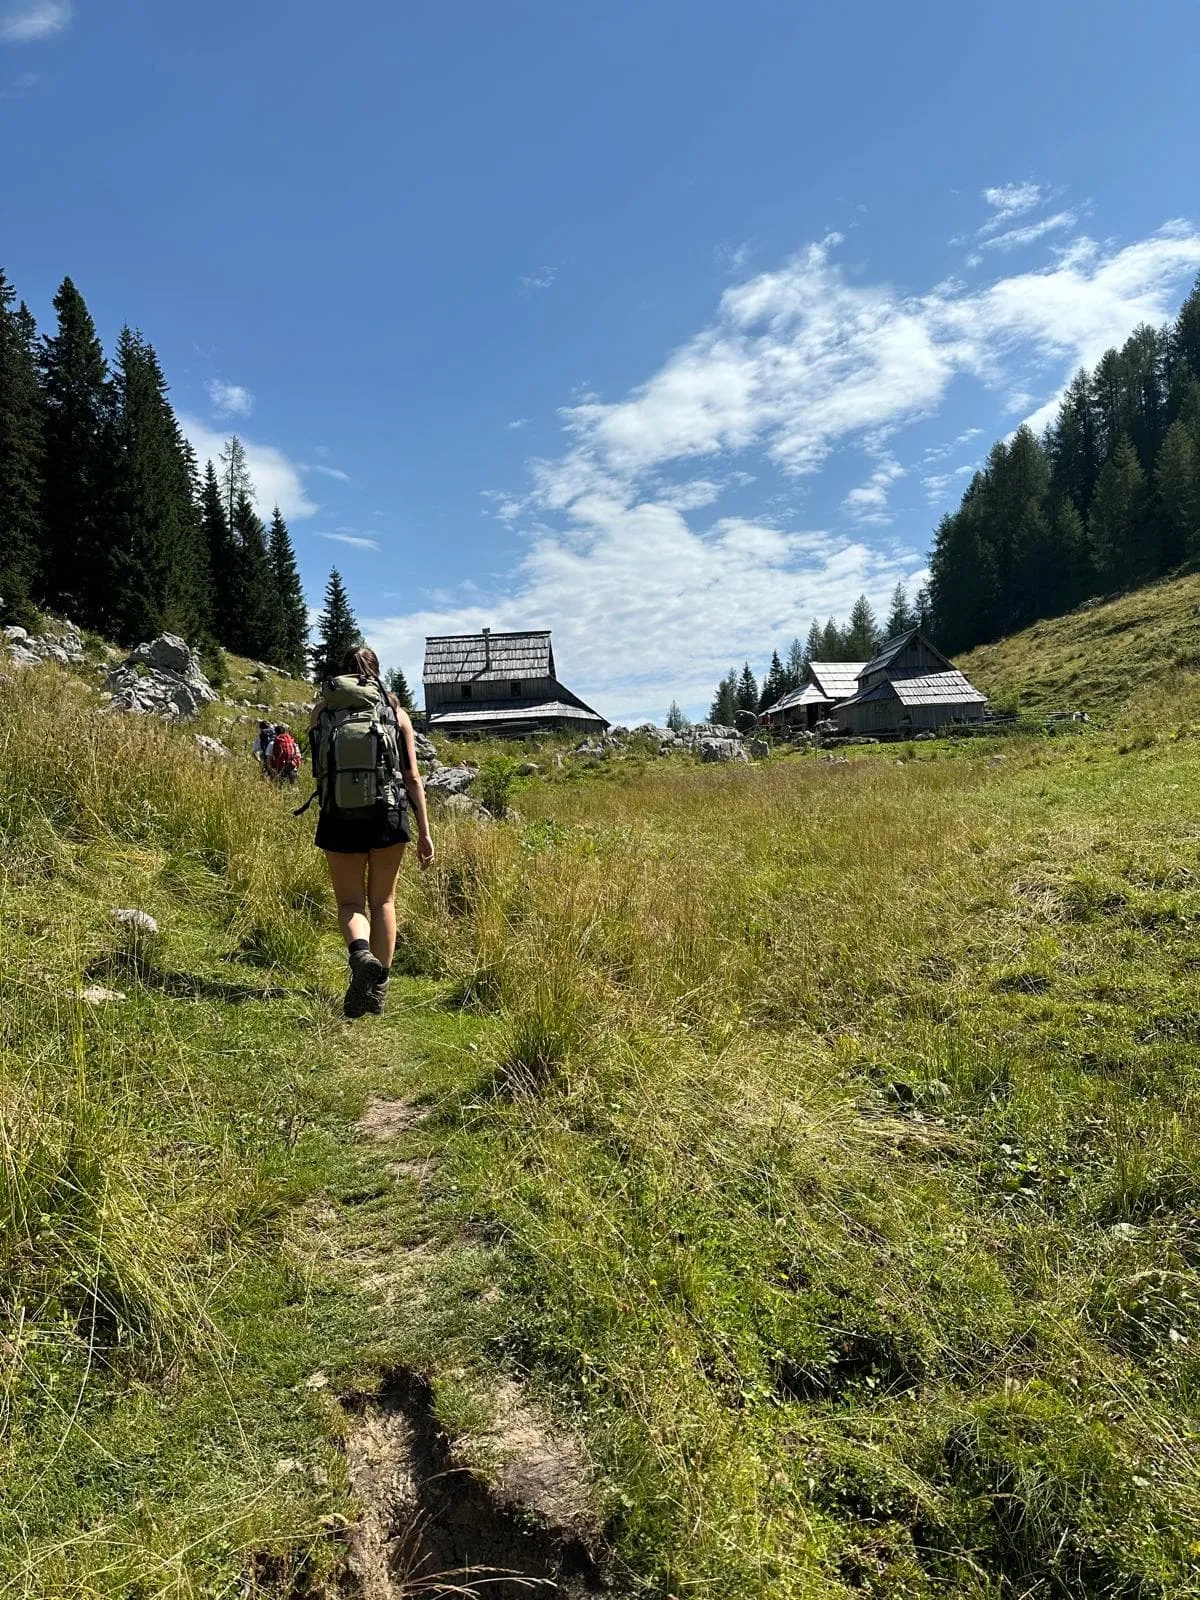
(487, 649)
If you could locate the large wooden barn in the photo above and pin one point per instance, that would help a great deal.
(826, 683)
(908, 686)
(499, 683)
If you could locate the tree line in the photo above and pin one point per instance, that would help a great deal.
(856, 640)
(105, 516)
(1106, 499)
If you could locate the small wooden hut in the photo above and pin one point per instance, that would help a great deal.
(826, 684)
(486, 684)
(906, 687)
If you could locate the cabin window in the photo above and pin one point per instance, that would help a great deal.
(515, 686)
(466, 689)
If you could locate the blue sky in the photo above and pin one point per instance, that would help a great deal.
(668, 326)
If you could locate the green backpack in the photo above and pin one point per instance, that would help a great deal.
(356, 750)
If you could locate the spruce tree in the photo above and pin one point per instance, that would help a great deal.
(833, 643)
(1117, 517)
(676, 720)
(1177, 483)
(793, 667)
(901, 617)
(254, 627)
(78, 466)
(289, 633)
(20, 459)
(337, 631)
(1186, 334)
(156, 572)
(747, 690)
(814, 644)
(724, 706)
(862, 631)
(774, 683)
(234, 477)
(223, 564)
(398, 684)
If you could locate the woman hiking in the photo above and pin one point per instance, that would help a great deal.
(365, 765)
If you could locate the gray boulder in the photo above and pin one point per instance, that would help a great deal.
(450, 780)
(464, 805)
(161, 678)
(142, 921)
(425, 749)
(167, 653)
(16, 635)
(722, 750)
(759, 749)
(212, 747)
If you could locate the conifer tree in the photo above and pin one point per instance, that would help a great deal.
(747, 690)
(223, 565)
(676, 720)
(862, 631)
(774, 683)
(337, 631)
(234, 477)
(254, 628)
(725, 701)
(814, 644)
(20, 459)
(289, 633)
(793, 667)
(901, 617)
(78, 467)
(1177, 482)
(155, 572)
(398, 684)
(1186, 334)
(1117, 518)
(833, 643)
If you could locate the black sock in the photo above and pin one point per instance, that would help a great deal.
(357, 946)
(385, 975)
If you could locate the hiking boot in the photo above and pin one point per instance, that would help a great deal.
(366, 971)
(377, 998)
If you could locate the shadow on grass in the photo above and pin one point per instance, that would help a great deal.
(187, 985)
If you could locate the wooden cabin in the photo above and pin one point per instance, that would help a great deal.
(906, 687)
(826, 683)
(487, 684)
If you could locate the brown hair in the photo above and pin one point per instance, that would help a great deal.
(363, 662)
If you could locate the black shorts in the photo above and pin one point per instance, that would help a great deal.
(383, 832)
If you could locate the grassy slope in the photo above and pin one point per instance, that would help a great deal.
(824, 1137)
(1105, 659)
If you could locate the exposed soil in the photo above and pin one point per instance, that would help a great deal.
(385, 1120)
(432, 1526)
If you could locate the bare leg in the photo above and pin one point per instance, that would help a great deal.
(383, 866)
(347, 874)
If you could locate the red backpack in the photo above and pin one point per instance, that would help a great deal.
(284, 754)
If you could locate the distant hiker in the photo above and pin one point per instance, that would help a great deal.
(283, 757)
(262, 743)
(365, 765)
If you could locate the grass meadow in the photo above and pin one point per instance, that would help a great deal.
(818, 1140)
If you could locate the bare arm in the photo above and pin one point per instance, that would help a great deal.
(414, 786)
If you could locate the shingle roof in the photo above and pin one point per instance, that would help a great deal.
(935, 688)
(470, 658)
(891, 648)
(836, 679)
(505, 711)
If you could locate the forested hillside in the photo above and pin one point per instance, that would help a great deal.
(1107, 499)
(104, 512)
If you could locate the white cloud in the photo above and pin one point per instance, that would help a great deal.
(868, 503)
(541, 279)
(331, 472)
(356, 541)
(650, 600)
(519, 422)
(1014, 238)
(734, 258)
(229, 399)
(26, 24)
(277, 480)
(937, 484)
(1009, 200)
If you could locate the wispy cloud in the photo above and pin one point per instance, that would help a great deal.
(278, 481)
(356, 541)
(229, 399)
(938, 483)
(734, 258)
(541, 279)
(651, 595)
(26, 24)
(1009, 200)
(519, 422)
(332, 472)
(1015, 238)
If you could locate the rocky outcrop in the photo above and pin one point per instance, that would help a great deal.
(444, 781)
(160, 678)
(58, 641)
(212, 747)
(722, 750)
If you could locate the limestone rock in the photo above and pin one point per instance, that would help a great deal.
(758, 749)
(450, 780)
(142, 921)
(212, 747)
(97, 995)
(161, 677)
(722, 750)
(463, 805)
(425, 749)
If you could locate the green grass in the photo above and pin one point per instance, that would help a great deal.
(820, 1140)
(1110, 659)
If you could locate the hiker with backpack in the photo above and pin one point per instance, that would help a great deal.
(283, 756)
(262, 743)
(365, 765)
